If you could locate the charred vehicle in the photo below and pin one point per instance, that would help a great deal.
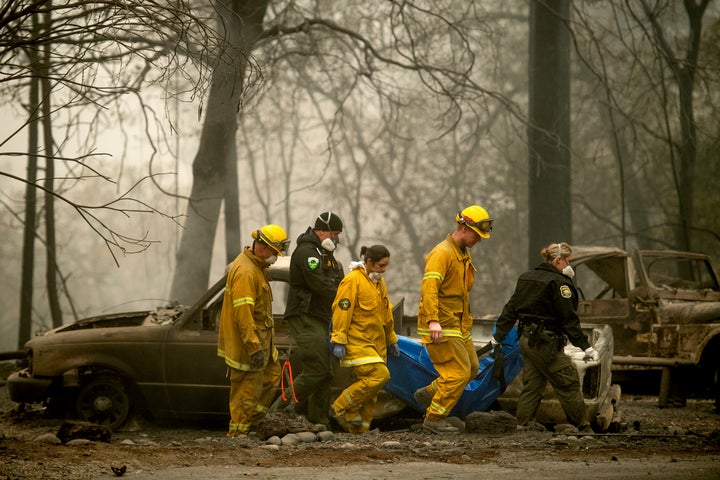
(663, 307)
(162, 362)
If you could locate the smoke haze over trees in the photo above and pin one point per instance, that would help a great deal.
(395, 115)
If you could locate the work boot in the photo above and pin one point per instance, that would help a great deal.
(356, 420)
(456, 422)
(280, 405)
(340, 419)
(440, 426)
(422, 397)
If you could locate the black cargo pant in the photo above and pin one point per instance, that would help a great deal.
(312, 386)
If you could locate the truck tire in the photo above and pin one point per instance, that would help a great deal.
(710, 366)
(103, 400)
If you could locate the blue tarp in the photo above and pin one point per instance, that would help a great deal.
(413, 369)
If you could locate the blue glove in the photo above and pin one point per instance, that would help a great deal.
(394, 350)
(338, 350)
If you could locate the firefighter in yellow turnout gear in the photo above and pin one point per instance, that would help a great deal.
(362, 334)
(246, 331)
(445, 319)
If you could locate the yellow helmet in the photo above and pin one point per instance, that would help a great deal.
(273, 236)
(477, 218)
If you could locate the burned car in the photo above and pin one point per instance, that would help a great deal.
(664, 310)
(162, 362)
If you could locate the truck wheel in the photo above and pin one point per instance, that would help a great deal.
(710, 370)
(103, 400)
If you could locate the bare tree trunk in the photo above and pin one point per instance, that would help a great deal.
(233, 242)
(688, 146)
(549, 172)
(50, 247)
(28, 255)
(215, 160)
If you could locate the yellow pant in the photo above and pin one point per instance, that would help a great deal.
(359, 398)
(250, 396)
(456, 363)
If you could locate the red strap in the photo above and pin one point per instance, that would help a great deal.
(287, 366)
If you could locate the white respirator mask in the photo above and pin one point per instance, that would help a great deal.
(375, 276)
(329, 244)
(271, 259)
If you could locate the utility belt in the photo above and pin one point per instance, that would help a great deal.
(541, 337)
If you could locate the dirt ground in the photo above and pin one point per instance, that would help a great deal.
(653, 443)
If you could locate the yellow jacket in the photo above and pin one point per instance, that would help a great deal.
(246, 319)
(445, 291)
(362, 319)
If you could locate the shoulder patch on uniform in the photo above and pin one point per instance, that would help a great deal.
(313, 262)
(344, 304)
(565, 291)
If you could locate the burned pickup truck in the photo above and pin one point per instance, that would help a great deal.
(663, 307)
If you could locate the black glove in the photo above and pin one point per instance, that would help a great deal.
(394, 349)
(498, 353)
(257, 360)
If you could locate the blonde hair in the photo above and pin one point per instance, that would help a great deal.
(556, 250)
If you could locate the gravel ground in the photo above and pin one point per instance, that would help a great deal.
(654, 443)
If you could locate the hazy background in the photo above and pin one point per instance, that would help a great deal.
(319, 131)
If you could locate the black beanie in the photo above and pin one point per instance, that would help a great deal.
(328, 222)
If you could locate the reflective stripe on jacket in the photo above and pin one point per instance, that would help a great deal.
(445, 291)
(362, 319)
